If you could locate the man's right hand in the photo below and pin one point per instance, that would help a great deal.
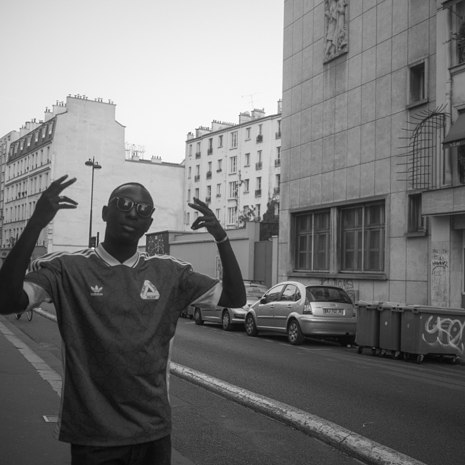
(51, 201)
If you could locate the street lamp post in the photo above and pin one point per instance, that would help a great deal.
(95, 166)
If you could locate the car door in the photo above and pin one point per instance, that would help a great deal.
(288, 303)
(265, 307)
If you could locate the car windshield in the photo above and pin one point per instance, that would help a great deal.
(253, 291)
(327, 294)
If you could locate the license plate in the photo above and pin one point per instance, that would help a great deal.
(333, 311)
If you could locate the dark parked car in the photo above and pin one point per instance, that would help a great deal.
(299, 311)
(230, 316)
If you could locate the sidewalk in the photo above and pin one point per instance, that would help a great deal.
(25, 398)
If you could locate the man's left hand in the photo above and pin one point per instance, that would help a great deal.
(207, 220)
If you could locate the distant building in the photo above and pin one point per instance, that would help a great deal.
(373, 165)
(71, 134)
(235, 168)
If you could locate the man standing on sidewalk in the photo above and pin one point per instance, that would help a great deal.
(117, 311)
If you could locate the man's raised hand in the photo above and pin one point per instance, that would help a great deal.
(51, 201)
(207, 220)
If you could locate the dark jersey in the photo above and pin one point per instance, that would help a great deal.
(116, 321)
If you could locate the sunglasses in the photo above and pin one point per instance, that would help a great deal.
(123, 204)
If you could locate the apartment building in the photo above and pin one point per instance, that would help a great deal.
(373, 124)
(235, 168)
(71, 134)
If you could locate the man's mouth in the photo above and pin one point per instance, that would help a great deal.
(128, 228)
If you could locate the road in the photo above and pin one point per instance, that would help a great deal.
(418, 410)
(415, 409)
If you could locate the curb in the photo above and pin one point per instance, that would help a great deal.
(352, 443)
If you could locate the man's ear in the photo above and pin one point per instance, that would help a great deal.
(104, 213)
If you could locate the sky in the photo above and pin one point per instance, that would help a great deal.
(169, 66)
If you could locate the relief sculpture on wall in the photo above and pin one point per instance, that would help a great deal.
(336, 28)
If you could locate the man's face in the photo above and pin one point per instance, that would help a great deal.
(127, 226)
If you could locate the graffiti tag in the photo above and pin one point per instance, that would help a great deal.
(445, 333)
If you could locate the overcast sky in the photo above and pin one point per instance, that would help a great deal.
(169, 66)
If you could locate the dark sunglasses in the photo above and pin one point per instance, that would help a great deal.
(123, 204)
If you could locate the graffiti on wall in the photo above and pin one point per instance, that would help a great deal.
(346, 284)
(440, 277)
(445, 333)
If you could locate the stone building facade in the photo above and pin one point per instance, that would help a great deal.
(371, 187)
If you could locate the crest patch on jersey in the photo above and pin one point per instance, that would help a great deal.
(149, 291)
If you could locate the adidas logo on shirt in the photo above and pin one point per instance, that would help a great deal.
(96, 290)
(149, 291)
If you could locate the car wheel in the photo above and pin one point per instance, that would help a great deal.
(198, 317)
(226, 321)
(294, 333)
(250, 326)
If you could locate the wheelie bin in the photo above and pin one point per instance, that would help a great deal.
(367, 329)
(390, 328)
(432, 331)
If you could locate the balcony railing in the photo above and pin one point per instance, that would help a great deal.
(209, 174)
(259, 138)
(210, 151)
(277, 135)
(277, 162)
(197, 178)
(258, 165)
(197, 154)
(208, 199)
(258, 192)
(276, 191)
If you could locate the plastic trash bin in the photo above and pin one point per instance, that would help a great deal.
(367, 329)
(390, 327)
(432, 330)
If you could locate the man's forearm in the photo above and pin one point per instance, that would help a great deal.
(233, 285)
(14, 268)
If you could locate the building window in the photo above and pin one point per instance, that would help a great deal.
(312, 241)
(190, 150)
(233, 189)
(247, 133)
(210, 146)
(418, 89)
(362, 238)
(197, 192)
(246, 186)
(218, 190)
(258, 187)
(232, 215)
(234, 139)
(247, 159)
(457, 10)
(189, 172)
(416, 222)
(233, 164)
(220, 141)
(220, 164)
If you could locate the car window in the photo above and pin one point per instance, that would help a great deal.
(291, 293)
(255, 291)
(327, 294)
(273, 294)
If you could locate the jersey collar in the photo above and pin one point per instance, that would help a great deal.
(111, 261)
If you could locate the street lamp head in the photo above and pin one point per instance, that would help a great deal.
(89, 162)
(97, 166)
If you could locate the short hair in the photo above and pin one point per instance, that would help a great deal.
(121, 186)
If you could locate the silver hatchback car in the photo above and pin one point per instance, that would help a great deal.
(299, 311)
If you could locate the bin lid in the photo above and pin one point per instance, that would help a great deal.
(370, 305)
(393, 306)
(436, 310)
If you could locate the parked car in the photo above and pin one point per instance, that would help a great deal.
(299, 311)
(228, 317)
